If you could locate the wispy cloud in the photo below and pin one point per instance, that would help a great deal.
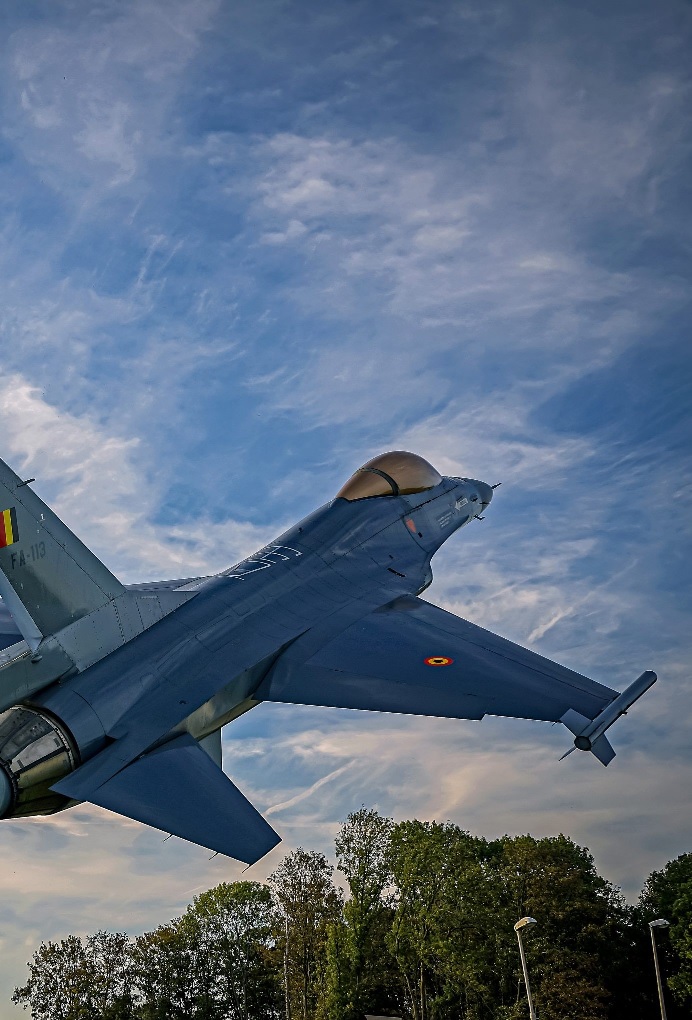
(435, 273)
(241, 252)
(304, 794)
(98, 88)
(107, 496)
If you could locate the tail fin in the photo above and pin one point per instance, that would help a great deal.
(48, 578)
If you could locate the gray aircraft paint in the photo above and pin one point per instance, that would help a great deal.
(137, 682)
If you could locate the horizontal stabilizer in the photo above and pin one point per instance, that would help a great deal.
(179, 789)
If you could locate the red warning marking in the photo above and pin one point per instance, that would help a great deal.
(439, 660)
(411, 524)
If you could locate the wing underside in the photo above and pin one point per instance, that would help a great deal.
(414, 658)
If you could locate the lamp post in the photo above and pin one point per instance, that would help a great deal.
(660, 923)
(287, 997)
(526, 922)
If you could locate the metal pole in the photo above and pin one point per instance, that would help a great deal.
(287, 997)
(658, 974)
(532, 1011)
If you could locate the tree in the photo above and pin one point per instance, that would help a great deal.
(359, 964)
(426, 933)
(582, 922)
(668, 894)
(458, 899)
(109, 954)
(231, 928)
(439, 933)
(308, 903)
(164, 976)
(61, 982)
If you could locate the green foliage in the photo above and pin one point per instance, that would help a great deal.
(164, 974)
(439, 935)
(360, 970)
(309, 905)
(77, 979)
(581, 920)
(231, 928)
(58, 981)
(668, 894)
(425, 933)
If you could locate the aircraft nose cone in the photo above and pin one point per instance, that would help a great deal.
(5, 792)
(485, 492)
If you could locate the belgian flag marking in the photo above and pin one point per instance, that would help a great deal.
(9, 533)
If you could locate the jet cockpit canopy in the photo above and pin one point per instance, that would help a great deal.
(391, 474)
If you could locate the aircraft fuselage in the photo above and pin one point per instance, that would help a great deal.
(116, 694)
(340, 563)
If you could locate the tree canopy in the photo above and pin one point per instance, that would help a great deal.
(418, 924)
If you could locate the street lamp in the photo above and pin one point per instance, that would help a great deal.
(659, 923)
(526, 922)
(287, 997)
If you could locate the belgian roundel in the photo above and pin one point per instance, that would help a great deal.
(439, 660)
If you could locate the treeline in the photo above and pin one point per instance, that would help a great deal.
(423, 931)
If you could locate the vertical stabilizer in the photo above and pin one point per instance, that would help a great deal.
(48, 578)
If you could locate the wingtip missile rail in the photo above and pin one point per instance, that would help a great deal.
(589, 734)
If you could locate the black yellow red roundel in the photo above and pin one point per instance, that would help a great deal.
(439, 660)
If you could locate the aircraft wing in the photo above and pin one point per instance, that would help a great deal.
(414, 658)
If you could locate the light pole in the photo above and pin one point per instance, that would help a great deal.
(526, 922)
(660, 923)
(286, 995)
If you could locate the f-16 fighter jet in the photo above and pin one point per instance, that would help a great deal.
(116, 694)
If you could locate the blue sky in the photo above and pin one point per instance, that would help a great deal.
(243, 248)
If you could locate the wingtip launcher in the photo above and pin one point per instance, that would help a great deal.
(589, 734)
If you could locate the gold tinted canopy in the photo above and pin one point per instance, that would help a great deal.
(391, 474)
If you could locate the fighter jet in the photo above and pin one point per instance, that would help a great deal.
(116, 694)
